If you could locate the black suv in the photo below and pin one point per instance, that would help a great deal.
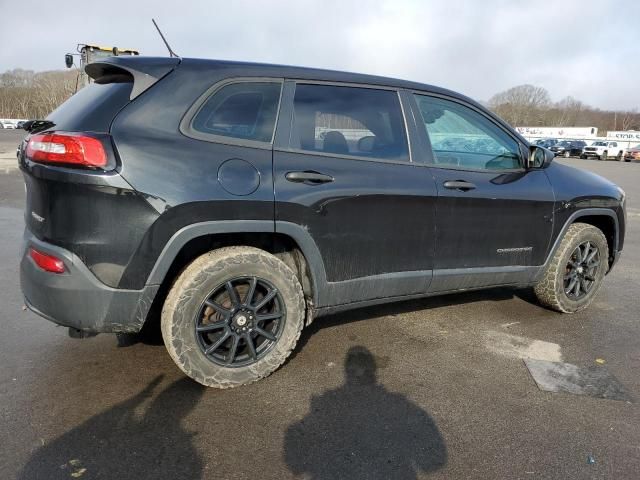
(568, 148)
(240, 201)
(545, 142)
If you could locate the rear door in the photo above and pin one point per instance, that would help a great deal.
(494, 218)
(343, 172)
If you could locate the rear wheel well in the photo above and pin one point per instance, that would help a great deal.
(279, 245)
(606, 225)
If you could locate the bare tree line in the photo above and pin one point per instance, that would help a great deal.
(31, 95)
(531, 106)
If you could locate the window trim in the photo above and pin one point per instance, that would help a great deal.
(299, 81)
(186, 123)
(423, 131)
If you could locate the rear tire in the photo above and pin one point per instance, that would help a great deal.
(567, 154)
(555, 289)
(619, 157)
(200, 310)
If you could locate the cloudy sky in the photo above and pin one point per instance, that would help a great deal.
(589, 49)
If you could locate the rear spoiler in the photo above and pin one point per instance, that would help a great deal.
(143, 72)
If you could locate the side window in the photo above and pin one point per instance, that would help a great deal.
(245, 110)
(362, 122)
(462, 137)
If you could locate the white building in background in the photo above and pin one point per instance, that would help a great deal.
(625, 139)
(573, 133)
(632, 136)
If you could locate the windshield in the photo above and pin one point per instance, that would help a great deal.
(601, 144)
(564, 144)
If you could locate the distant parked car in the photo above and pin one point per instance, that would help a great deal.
(632, 154)
(8, 125)
(546, 142)
(603, 150)
(568, 148)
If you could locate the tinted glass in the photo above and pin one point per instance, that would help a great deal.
(464, 138)
(241, 110)
(361, 122)
(92, 108)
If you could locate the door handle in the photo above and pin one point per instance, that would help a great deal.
(309, 177)
(459, 185)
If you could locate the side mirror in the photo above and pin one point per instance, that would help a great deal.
(68, 60)
(539, 157)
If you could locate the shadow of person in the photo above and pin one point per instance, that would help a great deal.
(120, 444)
(361, 430)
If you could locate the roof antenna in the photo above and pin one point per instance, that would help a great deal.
(171, 52)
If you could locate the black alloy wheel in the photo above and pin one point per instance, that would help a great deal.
(240, 321)
(581, 270)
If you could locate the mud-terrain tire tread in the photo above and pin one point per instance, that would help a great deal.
(550, 288)
(182, 294)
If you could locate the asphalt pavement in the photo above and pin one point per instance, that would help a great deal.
(435, 388)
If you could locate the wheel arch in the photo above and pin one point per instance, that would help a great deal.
(295, 247)
(604, 219)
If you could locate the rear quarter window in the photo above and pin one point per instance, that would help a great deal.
(243, 111)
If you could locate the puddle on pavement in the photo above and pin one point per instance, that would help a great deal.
(594, 381)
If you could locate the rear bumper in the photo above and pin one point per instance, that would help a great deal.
(77, 298)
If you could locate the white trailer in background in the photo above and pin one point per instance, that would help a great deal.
(627, 139)
(569, 133)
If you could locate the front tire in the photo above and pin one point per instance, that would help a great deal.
(567, 154)
(605, 156)
(575, 273)
(233, 316)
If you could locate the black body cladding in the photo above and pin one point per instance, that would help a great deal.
(377, 215)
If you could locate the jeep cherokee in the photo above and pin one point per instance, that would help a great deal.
(241, 201)
(603, 151)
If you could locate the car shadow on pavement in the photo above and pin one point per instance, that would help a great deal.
(118, 443)
(362, 430)
(404, 306)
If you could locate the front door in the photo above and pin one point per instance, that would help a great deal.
(493, 217)
(345, 175)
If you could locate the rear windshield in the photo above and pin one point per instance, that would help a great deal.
(92, 108)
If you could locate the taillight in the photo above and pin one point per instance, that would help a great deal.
(67, 148)
(46, 262)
